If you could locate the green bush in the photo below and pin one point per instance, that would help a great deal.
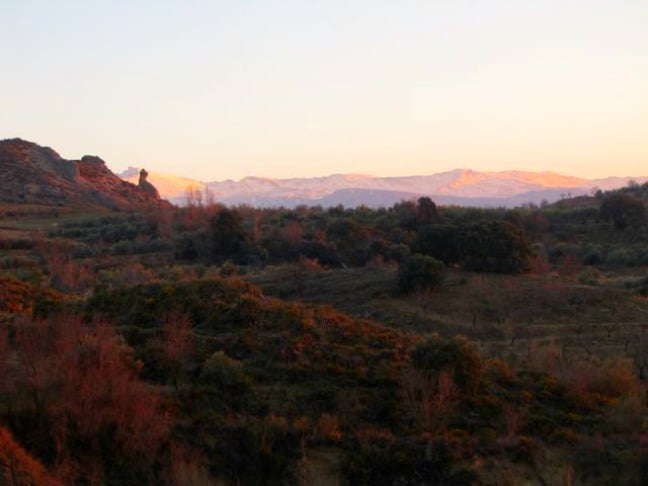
(420, 272)
(225, 373)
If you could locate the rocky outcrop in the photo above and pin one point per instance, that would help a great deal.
(32, 174)
(39, 158)
(146, 186)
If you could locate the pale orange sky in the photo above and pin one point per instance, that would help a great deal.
(226, 89)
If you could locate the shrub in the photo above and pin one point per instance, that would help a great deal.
(590, 385)
(17, 466)
(225, 373)
(420, 272)
(94, 411)
(620, 256)
(328, 428)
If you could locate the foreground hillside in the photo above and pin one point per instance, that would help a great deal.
(251, 389)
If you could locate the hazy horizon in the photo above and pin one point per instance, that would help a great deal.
(356, 174)
(225, 90)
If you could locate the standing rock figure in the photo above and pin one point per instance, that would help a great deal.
(146, 185)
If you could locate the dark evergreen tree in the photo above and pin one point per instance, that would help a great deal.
(229, 239)
(493, 246)
(624, 210)
(420, 272)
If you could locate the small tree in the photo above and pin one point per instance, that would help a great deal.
(228, 237)
(426, 211)
(420, 272)
(429, 397)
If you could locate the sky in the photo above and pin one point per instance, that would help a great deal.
(218, 90)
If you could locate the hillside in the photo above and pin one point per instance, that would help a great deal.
(35, 175)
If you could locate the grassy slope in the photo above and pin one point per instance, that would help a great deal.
(503, 313)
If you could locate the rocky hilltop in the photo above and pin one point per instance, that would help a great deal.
(31, 174)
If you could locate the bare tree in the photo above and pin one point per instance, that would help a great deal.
(429, 396)
(177, 344)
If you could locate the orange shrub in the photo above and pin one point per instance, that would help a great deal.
(590, 384)
(18, 467)
(328, 428)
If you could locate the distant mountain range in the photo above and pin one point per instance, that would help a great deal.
(460, 187)
(31, 174)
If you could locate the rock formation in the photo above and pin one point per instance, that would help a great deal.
(146, 186)
(31, 174)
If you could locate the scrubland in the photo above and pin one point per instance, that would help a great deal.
(411, 345)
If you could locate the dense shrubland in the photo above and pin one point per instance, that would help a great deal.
(247, 385)
(136, 348)
(482, 240)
